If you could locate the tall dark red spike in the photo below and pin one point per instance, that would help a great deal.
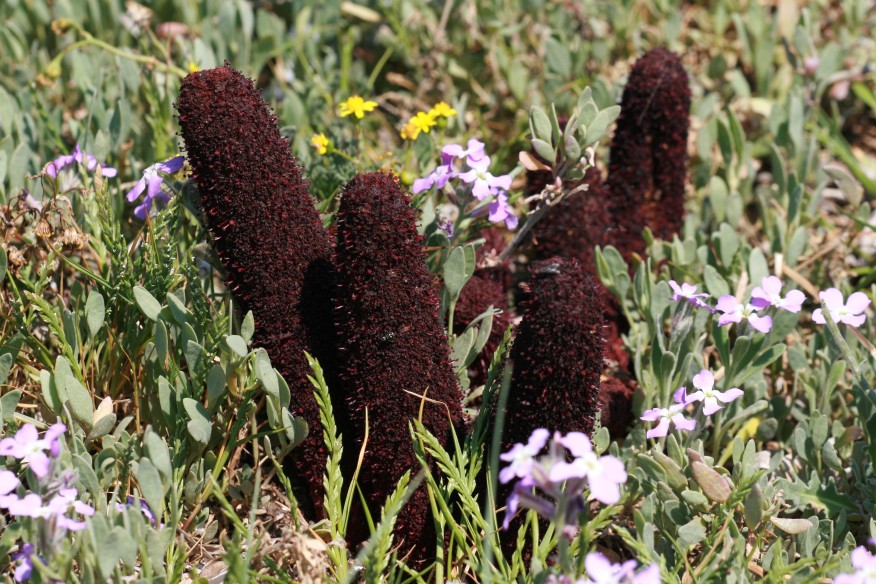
(275, 251)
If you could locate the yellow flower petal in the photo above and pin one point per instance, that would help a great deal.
(320, 143)
(442, 110)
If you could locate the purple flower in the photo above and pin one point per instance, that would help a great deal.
(473, 153)
(482, 181)
(735, 311)
(604, 474)
(851, 312)
(769, 293)
(438, 177)
(673, 414)
(865, 568)
(78, 156)
(601, 571)
(144, 508)
(522, 458)
(151, 183)
(24, 555)
(688, 292)
(500, 211)
(27, 446)
(31, 505)
(704, 381)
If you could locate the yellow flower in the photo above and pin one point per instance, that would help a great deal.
(410, 132)
(423, 122)
(357, 106)
(193, 68)
(320, 143)
(442, 110)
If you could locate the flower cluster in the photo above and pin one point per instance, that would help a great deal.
(478, 181)
(706, 393)
(423, 122)
(768, 294)
(151, 183)
(320, 143)
(51, 499)
(600, 570)
(562, 482)
(865, 568)
(78, 156)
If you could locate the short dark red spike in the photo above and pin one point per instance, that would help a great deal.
(557, 355)
(275, 251)
(392, 342)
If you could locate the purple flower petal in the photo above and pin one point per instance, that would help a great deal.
(683, 423)
(794, 301)
(8, 482)
(578, 443)
(761, 323)
(818, 317)
(660, 430)
(136, 191)
(854, 320)
(704, 380)
(606, 492)
(727, 303)
(857, 303)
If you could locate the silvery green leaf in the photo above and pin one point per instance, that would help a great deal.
(695, 498)
(600, 124)
(166, 399)
(95, 312)
(151, 486)
(4, 259)
(147, 302)
(545, 150)
(557, 57)
(6, 361)
(158, 453)
(571, 147)
(601, 440)
(9, 403)
(102, 426)
(177, 308)
(161, 342)
(215, 385)
(691, 533)
(674, 474)
(540, 125)
(797, 245)
(586, 109)
(200, 427)
(78, 398)
(266, 374)
(458, 269)
(71, 331)
(718, 194)
(791, 526)
(295, 428)
(462, 348)
(754, 506)
(247, 327)
(727, 243)
(237, 345)
(193, 354)
(758, 268)
(715, 284)
(715, 486)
